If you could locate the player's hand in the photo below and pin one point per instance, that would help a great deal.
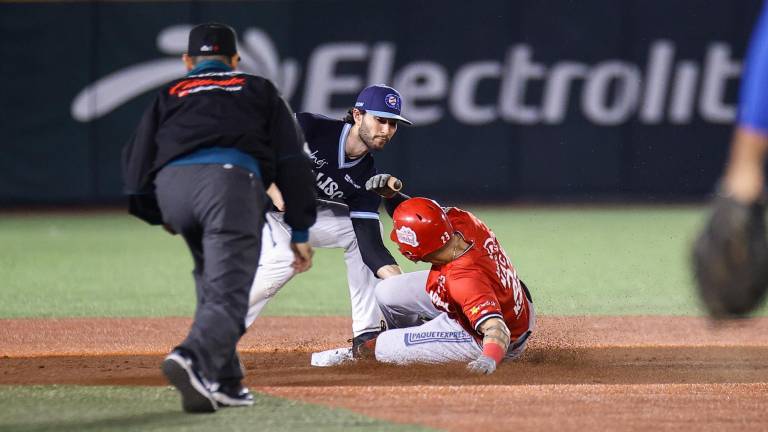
(302, 256)
(388, 271)
(384, 185)
(482, 365)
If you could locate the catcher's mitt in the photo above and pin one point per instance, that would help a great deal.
(730, 258)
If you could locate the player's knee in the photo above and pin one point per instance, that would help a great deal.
(386, 293)
(348, 241)
(279, 258)
(271, 276)
(263, 292)
(384, 351)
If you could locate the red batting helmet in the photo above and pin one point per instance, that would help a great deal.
(420, 228)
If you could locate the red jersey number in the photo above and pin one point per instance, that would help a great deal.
(504, 270)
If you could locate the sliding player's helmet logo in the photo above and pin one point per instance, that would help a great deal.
(407, 236)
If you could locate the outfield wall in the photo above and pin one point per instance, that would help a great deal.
(516, 100)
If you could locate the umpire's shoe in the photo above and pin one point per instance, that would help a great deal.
(232, 395)
(196, 396)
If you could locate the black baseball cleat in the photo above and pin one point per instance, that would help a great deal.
(196, 395)
(364, 345)
(232, 395)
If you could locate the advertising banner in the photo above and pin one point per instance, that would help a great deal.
(511, 100)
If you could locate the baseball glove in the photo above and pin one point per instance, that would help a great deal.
(730, 258)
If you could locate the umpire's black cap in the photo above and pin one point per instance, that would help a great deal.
(212, 39)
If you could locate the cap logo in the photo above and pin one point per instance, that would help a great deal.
(392, 101)
(407, 236)
(359, 104)
(207, 48)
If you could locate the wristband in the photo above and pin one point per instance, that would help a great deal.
(494, 351)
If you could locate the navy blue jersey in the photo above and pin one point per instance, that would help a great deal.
(338, 178)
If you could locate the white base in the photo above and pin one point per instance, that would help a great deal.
(332, 357)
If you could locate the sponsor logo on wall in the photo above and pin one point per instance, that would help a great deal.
(610, 92)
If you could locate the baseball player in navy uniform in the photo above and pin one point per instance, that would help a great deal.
(350, 192)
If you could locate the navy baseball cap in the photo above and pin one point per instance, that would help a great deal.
(212, 39)
(381, 101)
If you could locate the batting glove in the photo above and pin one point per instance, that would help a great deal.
(378, 184)
(482, 365)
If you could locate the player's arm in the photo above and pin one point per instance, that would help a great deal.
(744, 174)
(390, 204)
(276, 196)
(364, 211)
(730, 255)
(375, 255)
(138, 158)
(481, 307)
(496, 339)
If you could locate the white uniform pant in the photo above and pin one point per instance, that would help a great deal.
(403, 301)
(333, 229)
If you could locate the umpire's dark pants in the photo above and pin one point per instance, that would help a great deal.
(218, 209)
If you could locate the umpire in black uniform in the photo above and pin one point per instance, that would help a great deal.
(198, 164)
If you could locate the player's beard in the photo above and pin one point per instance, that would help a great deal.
(372, 142)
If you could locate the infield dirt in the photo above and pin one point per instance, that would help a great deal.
(598, 373)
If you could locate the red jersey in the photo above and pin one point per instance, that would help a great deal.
(481, 283)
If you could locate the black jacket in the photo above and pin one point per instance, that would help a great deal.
(223, 109)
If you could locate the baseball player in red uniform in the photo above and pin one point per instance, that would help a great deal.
(474, 307)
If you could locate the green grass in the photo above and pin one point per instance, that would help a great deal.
(90, 409)
(576, 261)
(603, 261)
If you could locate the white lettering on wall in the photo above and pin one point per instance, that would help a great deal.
(425, 83)
(322, 80)
(606, 93)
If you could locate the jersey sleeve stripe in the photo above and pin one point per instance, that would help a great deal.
(363, 215)
(484, 319)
